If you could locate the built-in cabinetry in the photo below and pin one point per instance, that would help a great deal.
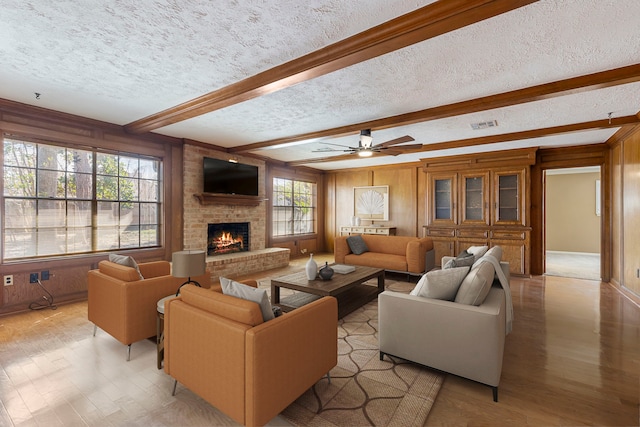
(361, 229)
(480, 200)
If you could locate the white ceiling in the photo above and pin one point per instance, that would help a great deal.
(120, 61)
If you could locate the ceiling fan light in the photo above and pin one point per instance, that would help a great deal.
(365, 153)
(365, 138)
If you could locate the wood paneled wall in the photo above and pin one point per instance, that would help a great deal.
(406, 197)
(630, 262)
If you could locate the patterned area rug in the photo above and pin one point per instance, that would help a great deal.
(365, 391)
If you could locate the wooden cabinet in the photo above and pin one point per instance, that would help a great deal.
(361, 229)
(480, 200)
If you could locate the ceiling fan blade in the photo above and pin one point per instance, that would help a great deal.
(339, 145)
(400, 140)
(332, 150)
(400, 149)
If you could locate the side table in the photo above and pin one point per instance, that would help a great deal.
(160, 329)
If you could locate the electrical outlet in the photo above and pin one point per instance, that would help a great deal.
(33, 278)
(44, 275)
(8, 280)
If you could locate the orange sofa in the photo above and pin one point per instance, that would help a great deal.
(219, 347)
(125, 306)
(404, 254)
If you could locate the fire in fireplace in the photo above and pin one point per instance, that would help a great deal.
(228, 237)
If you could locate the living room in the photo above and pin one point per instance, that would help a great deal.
(185, 217)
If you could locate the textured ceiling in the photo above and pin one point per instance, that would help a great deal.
(120, 61)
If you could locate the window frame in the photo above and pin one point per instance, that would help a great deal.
(137, 227)
(275, 207)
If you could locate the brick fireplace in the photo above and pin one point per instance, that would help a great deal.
(197, 216)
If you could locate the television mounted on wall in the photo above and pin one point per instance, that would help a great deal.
(223, 177)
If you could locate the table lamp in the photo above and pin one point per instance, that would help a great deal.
(187, 264)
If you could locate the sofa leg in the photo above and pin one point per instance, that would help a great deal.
(95, 328)
(495, 394)
(175, 383)
(128, 352)
(381, 356)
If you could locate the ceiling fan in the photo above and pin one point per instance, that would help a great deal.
(366, 148)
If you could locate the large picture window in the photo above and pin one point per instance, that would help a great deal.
(294, 207)
(60, 200)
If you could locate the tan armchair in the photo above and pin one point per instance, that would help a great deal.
(219, 347)
(123, 305)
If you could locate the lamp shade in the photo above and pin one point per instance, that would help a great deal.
(188, 263)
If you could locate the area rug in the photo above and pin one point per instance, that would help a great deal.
(365, 391)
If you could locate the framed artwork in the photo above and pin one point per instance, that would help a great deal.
(371, 202)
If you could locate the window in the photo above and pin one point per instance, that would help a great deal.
(60, 200)
(294, 207)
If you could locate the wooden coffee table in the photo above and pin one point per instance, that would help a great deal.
(348, 288)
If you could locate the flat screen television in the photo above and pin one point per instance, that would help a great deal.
(223, 177)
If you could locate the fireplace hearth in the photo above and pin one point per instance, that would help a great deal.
(227, 238)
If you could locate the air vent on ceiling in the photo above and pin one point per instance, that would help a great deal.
(484, 125)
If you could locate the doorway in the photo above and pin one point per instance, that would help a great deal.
(572, 222)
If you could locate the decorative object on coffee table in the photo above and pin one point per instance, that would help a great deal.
(326, 272)
(311, 268)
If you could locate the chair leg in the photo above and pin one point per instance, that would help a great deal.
(495, 394)
(329, 377)
(95, 328)
(381, 356)
(128, 352)
(175, 383)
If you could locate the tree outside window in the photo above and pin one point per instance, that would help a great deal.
(294, 207)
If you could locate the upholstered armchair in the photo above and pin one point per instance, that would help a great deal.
(220, 347)
(125, 305)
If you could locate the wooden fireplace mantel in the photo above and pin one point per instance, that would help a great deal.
(228, 199)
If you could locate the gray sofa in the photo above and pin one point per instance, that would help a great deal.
(461, 339)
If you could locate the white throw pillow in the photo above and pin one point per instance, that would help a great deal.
(440, 284)
(477, 251)
(249, 293)
(495, 252)
(126, 261)
(476, 285)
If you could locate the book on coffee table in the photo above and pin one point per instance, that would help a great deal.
(343, 269)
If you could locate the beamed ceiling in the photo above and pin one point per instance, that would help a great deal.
(288, 80)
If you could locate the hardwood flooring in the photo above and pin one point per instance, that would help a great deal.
(573, 358)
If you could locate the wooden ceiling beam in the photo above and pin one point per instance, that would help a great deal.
(624, 122)
(604, 79)
(535, 133)
(422, 24)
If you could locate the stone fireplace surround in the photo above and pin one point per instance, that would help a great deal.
(197, 217)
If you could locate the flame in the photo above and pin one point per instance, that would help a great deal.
(226, 239)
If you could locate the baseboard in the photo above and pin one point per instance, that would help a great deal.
(630, 295)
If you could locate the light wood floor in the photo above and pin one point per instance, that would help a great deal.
(573, 358)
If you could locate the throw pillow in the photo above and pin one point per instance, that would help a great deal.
(464, 259)
(476, 285)
(495, 252)
(239, 290)
(357, 244)
(440, 284)
(126, 261)
(477, 251)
